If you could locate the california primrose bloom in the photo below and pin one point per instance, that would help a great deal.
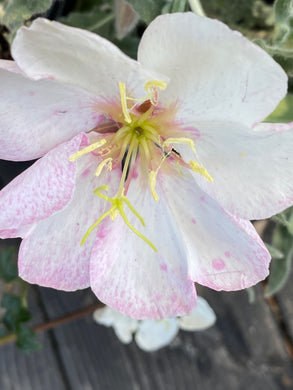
(151, 335)
(150, 170)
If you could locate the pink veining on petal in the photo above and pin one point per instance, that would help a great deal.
(193, 131)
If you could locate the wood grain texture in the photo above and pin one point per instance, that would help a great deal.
(244, 350)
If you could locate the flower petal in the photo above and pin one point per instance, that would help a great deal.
(52, 50)
(215, 73)
(152, 335)
(127, 274)
(11, 66)
(40, 191)
(36, 116)
(251, 169)
(51, 254)
(200, 318)
(123, 325)
(224, 253)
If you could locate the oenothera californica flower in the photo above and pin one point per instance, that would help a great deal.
(151, 335)
(149, 169)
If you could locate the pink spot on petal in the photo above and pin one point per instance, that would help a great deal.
(86, 172)
(218, 264)
(227, 254)
(193, 221)
(31, 93)
(203, 199)
(164, 267)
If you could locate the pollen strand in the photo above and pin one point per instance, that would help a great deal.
(123, 215)
(152, 181)
(108, 162)
(122, 90)
(86, 150)
(94, 225)
(200, 169)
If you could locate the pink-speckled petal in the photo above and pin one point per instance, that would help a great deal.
(51, 255)
(36, 116)
(52, 50)
(11, 66)
(251, 169)
(224, 253)
(40, 191)
(215, 73)
(127, 274)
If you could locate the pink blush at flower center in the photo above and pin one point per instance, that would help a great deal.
(218, 264)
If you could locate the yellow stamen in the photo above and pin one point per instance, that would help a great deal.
(200, 169)
(108, 162)
(180, 140)
(91, 228)
(150, 85)
(152, 180)
(123, 215)
(152, 94)
(114, 211)
(86, 150)
(122, 90)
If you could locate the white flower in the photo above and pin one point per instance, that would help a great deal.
(151, 335)
(149, 170)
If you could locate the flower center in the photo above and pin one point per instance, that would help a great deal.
(141, 138)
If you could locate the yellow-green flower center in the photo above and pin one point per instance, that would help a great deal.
(144, 140)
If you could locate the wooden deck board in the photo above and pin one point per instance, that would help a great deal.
(244, 350)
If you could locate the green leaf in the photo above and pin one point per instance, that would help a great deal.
(97, 20)
(15, 313)
(283, 10)
(178, 6)
(279, 273)
(283, 14)
(274, 252)
(8, 268)
(251, 294)
(26, 339)
(284, 111)
(283, 55)
(147, 9)
(128, 45)
(16, 12)
(11, 302)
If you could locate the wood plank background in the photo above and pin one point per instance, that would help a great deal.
(244, 350)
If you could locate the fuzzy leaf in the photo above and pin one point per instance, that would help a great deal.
(16, 12)
(283, 10)
(280, 270)
(8, 268)
(15, 312)
(274, 252)
(147, 9)
(284, 111)
(26, 339)
(97, 20)
(178, 6)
